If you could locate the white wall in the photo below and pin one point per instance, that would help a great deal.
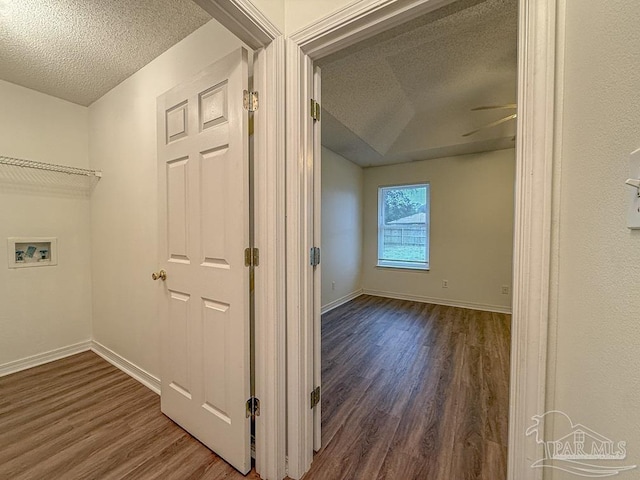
(44, 308)
(342, 214)
(471, 230)
(124, 207)
(595, 339)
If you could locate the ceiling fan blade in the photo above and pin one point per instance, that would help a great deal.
(492, 124)
(506, 106)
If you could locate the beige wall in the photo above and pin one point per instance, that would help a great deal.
(273, 10)
(300, 13)
(44, 308)
(124, 208)
(471, 237)
(342, 213)
(595, 339)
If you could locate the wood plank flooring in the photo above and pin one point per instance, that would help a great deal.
(410, 391)
(413, 391)
(82, 418)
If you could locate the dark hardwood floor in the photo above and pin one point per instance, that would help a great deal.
(410, 391)
(82, 418)
(413, 391)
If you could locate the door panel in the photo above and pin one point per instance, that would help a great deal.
(213, 200)
(177, 202)
(179, 338)
(204, 229)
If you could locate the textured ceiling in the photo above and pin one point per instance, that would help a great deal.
(80, 49)
(407, 93)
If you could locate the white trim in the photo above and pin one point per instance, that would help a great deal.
(299, 293)
(269, 230)
(131, 369)
(439, 301)
(400, 265)
(532, 237)
(42, 358)
(148, 380)
(533, 209)
(315, 199)
(342, 300)
(244, 20)
(357, 21)
(557, 195)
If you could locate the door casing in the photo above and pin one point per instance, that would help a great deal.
(317, 271)
(535, 149)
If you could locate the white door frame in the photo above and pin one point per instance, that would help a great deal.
(533, 211)
(299, 292)
(317, 273)
(244, 20)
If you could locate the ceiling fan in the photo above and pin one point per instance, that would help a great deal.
(506, 106)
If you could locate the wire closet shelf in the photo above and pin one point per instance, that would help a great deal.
(17, 174)
(50, 167)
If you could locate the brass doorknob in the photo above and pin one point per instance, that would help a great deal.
(159, 275)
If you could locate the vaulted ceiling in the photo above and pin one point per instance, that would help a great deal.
(407, 93)
(78, 50)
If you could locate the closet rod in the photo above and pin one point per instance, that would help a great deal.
(17, 162)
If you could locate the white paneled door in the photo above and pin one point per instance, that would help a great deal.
(203, 155)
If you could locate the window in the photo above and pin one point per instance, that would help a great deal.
(403, 226)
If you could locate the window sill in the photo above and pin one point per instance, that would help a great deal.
(404, 266)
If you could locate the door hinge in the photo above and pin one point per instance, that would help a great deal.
(315, 110)
(315, 397)
(251, 257)
(253, 407)
(314, 256)
(250, 101)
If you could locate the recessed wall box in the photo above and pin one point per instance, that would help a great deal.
(32, 251)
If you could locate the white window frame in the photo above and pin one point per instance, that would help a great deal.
(385, 263)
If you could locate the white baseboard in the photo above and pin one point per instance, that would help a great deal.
(42, 358)
(340, 301)
(144, 377)
(134, 371)
(440, 301)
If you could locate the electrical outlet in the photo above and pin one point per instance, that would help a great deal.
(445, 283)
(333, 285)
(505, 289)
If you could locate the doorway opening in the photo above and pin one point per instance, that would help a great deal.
(418, 163)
